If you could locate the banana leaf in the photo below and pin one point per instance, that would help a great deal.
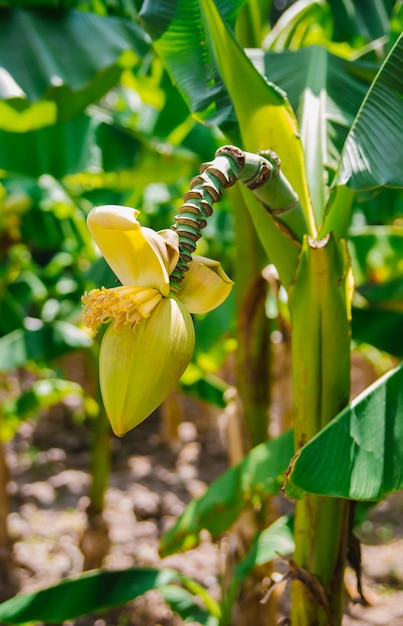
(55, 62)
(358, 455)
(369, 20)
(180, 39)
(85, 143)
(96, 591)
(372, 154)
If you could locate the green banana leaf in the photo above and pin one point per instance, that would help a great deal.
(43, 394)
(82, 144)
(176, 28)
(275, 540)
(350, 24)
(57, 62)
(324, 90)
(372, 154)
(185, 604)
(90, 592)
(303, 23)
(258, 475)
(92, 148)
(358, 455)
(366, 21)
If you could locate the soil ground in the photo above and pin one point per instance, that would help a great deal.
(150, 484)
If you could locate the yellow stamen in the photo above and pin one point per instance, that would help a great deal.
(121, 305)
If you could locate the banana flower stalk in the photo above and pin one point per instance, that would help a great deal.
(150, 340)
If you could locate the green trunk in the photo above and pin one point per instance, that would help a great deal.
(319, 303)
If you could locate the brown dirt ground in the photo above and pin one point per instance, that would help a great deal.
(150, 484)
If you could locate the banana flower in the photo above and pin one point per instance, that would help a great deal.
(150, 340)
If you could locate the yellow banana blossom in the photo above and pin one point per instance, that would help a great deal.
(150, 340)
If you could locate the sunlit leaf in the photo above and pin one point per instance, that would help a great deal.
(186, 606)
(180, 39)
(275, 540)
(90, 592)
(42, 394)
(372, 155)
(304, 22)
(265, 117)
(336, 85)
(56, 62)
(358, 455)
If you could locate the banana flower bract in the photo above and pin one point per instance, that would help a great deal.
(150, 340)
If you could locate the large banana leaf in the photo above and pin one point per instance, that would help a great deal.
(358, 455)
(99, 591)
(324, 90)
(54, 63)
(180, 39)
(372, 155)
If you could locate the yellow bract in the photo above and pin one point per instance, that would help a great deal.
(150, 340)
(205, 285)
(140, 369)
(137, 255)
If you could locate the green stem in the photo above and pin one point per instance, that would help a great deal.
(95, 540)
(101, 443)
(319, 304)
(259, 172)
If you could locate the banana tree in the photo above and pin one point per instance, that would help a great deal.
(334, 150)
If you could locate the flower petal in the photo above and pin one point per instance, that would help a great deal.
(140, 367)
(205, 286)
(137, 255)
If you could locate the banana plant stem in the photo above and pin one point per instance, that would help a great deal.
(259, 172)
(319, 304)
